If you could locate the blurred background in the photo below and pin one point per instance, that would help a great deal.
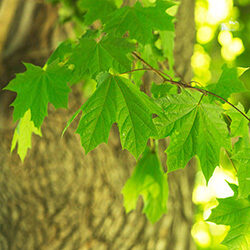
(222, 36)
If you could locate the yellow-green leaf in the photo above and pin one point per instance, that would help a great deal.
(23, 133)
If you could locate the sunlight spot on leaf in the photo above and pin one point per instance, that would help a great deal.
(200, 62)
(241, 70)
(218, 184)
(172, 10)
(202, 194)
(227, 54)
(205, 34)
(200, 12)
(201, 235)
(236, 46)
(218, 10)
(231, 47)
(225, 37)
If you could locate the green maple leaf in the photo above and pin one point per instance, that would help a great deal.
(235, 213)
(243, 159)
(231, 211)
(98, 9)
(62, 52)
(161, 90)
(22, 135)
(36, 87)
(195, 129)
(148, 180)
(99, 113)
(239, 124)
(228, 83)
(167, 42)
(91, 57)
(140, 21)
(238, 237)
(117, 100)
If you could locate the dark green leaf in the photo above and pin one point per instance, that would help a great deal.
(140, 22)
(228, 83)
(117, 100)
(98, 9)
(161, 90)
(195, 129)
(62, 52)
(167, 41)
(91, 57)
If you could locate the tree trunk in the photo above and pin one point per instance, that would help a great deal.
(62, 199)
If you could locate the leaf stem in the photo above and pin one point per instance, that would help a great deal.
(184, 85)
(134, 70)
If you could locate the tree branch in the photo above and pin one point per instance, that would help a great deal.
(184, 85)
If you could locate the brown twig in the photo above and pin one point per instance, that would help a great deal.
(147, 64)
(184, 85)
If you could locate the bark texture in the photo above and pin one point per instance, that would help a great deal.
(61, 199)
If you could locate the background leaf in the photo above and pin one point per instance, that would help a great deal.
(139, 21)
(243, 159)
(96, 57)
(22, 135)
(239, 124)
(148, 180)
(228, 83)
(98, 9)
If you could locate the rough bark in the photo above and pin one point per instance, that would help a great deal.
(62, 199)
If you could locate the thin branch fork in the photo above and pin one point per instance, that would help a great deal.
(182, 84)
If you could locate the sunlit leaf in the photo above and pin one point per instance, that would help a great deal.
(149, 181)
(235, 213)
(243, 159)
(22, 135)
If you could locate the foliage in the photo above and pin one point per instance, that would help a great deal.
(36, 88)
(148, 180)
(115, 53)
(195, 128)
(234, 212)
(23, 133)
(117, 100)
